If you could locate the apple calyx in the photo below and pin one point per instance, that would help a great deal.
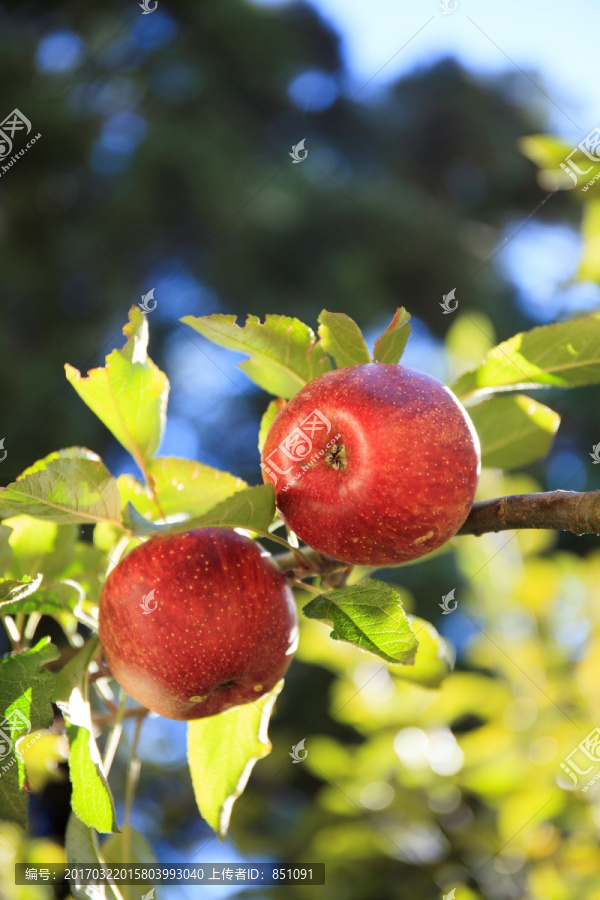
(336, 457)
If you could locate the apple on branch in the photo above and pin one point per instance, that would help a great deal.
(374, 464)
(222, 633)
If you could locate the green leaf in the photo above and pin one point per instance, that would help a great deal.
(513, 430)
(40, 546)
(545, 151)
(12, 592)
(563, 355)
(91, 799)
(389, 347)
(269, 416)
(589, 264)
(181, 486)
(222, 751)
(283, 352)
(25, 694)
(342, 338)
(72, 673)
(115, 851)
(68, 486)
(27, 597)
(253, 509)
(369, 615)
(138, 525)
(81, 847)
(434, 659)
(129, 395)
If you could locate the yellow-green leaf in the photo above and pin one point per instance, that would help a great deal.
(342, 338)
(369, 615)
(566, 354)
(129, 394)
(283, 352)
(513, 430)
(67, 486)
(389, 347)
(222, 751)
(181, 486)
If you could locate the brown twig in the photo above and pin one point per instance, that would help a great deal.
(556, 510)
(571, 511)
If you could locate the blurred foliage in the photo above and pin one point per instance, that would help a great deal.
(163, 161)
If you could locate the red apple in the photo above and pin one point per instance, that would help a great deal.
(373, 465)
(218, 630)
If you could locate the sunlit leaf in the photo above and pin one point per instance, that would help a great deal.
(222, 751)
(342, 338)
(389, 347)
(25, 694)
(40, 546)
(68, 486)
(27, 597)
(434, 659)
(283, 352)
(566, 354)
(91, 798)
(589, 264)
(369, 615)
(121, 849)
(252, 509)
(181, 486)
(513, 430)
(81, 847)
(129, 394)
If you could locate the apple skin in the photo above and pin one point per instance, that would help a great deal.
(224, 627)
(398, 480)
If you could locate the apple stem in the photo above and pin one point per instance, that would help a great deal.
(301, 556)
(313, 563)
(306, 587)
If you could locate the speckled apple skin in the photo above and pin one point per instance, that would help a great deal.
(412, 465)
(224, 613)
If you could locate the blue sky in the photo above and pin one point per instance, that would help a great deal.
(383, 39)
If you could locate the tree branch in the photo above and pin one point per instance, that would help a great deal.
(558, 510)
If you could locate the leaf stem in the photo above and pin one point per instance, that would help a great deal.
(133, 775)
(13, 633)
(115, 734)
